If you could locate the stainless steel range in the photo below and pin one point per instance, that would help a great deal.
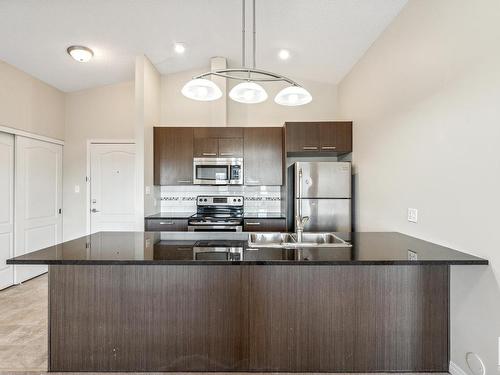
(217, 214)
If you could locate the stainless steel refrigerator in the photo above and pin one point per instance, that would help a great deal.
(322, 191)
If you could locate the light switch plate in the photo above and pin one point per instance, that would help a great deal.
(148, 190)
(77, 188)
(412, 215)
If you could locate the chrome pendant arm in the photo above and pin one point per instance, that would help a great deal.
(270, 77)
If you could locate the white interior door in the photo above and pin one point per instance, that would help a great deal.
(6, 208)
(38, 200)
(112, 187)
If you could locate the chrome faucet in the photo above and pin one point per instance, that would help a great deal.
(300, 220)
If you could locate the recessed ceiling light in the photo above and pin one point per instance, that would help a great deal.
(284, 54)
(80, 53)
(179, 48)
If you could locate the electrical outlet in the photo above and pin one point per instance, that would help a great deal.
(412, 215)
(412, 255)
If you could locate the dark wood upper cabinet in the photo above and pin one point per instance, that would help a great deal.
(206, 147)
(335, 137)
(218, 132)
(302, 137)
(263, 156)
(218, 142)
(309, 138)
(173, 156)
(231, 147)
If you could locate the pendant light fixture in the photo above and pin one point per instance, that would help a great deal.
(249, 91)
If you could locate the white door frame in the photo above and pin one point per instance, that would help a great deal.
(90, 142)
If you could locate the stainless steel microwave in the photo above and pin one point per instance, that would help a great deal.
(218, 171)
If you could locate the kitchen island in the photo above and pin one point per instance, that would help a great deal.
(176, 302)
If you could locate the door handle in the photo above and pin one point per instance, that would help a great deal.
(166, 223)
(94, 210)
(209, 154)
(254, 223)
(310, 147)
(328, 147)
(226, 154)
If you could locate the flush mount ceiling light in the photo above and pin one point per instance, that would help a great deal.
(249, 91)
(80, 53)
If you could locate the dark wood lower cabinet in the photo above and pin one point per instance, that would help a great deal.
(264, 225)
(166, 225)
(248, 318)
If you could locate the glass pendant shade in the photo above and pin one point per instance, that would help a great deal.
(201, 89)
(293, 96)
(248, 93)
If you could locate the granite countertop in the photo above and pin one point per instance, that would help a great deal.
(177, 248)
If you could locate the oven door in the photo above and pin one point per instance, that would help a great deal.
(217, 171)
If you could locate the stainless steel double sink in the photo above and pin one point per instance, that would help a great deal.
(289, 240)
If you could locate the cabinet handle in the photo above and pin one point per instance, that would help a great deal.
(328, 147)
(310, 147)
(166, 223)
(253, 223)
(226, 153)
(184, 181)
(209, 154)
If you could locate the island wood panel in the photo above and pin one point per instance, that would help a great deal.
(145, 318)
(348, 318)
(249, 318)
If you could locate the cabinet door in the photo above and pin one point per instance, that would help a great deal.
(173, 156)
(302, 137)
(206, 147)
(218, 132)
(263, 156)
(335, 137)
(166, 225)
(231, 147)
(264, 225)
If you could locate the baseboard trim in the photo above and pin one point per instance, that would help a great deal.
(456, 369)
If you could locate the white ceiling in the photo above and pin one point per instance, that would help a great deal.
(325, 37)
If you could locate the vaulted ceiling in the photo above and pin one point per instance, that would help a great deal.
(325, 37)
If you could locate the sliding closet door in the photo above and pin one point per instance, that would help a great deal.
(6, 208)
(38, 200)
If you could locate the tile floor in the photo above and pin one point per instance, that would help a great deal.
(23, 326)
(23, 331)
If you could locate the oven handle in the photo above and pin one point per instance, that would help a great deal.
(235, 228)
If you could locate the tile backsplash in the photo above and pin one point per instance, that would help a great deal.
(257, 198)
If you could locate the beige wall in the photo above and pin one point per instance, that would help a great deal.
(29, 104)
(177, 110)
(101, 113)
(424, 100)
(147, 115)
